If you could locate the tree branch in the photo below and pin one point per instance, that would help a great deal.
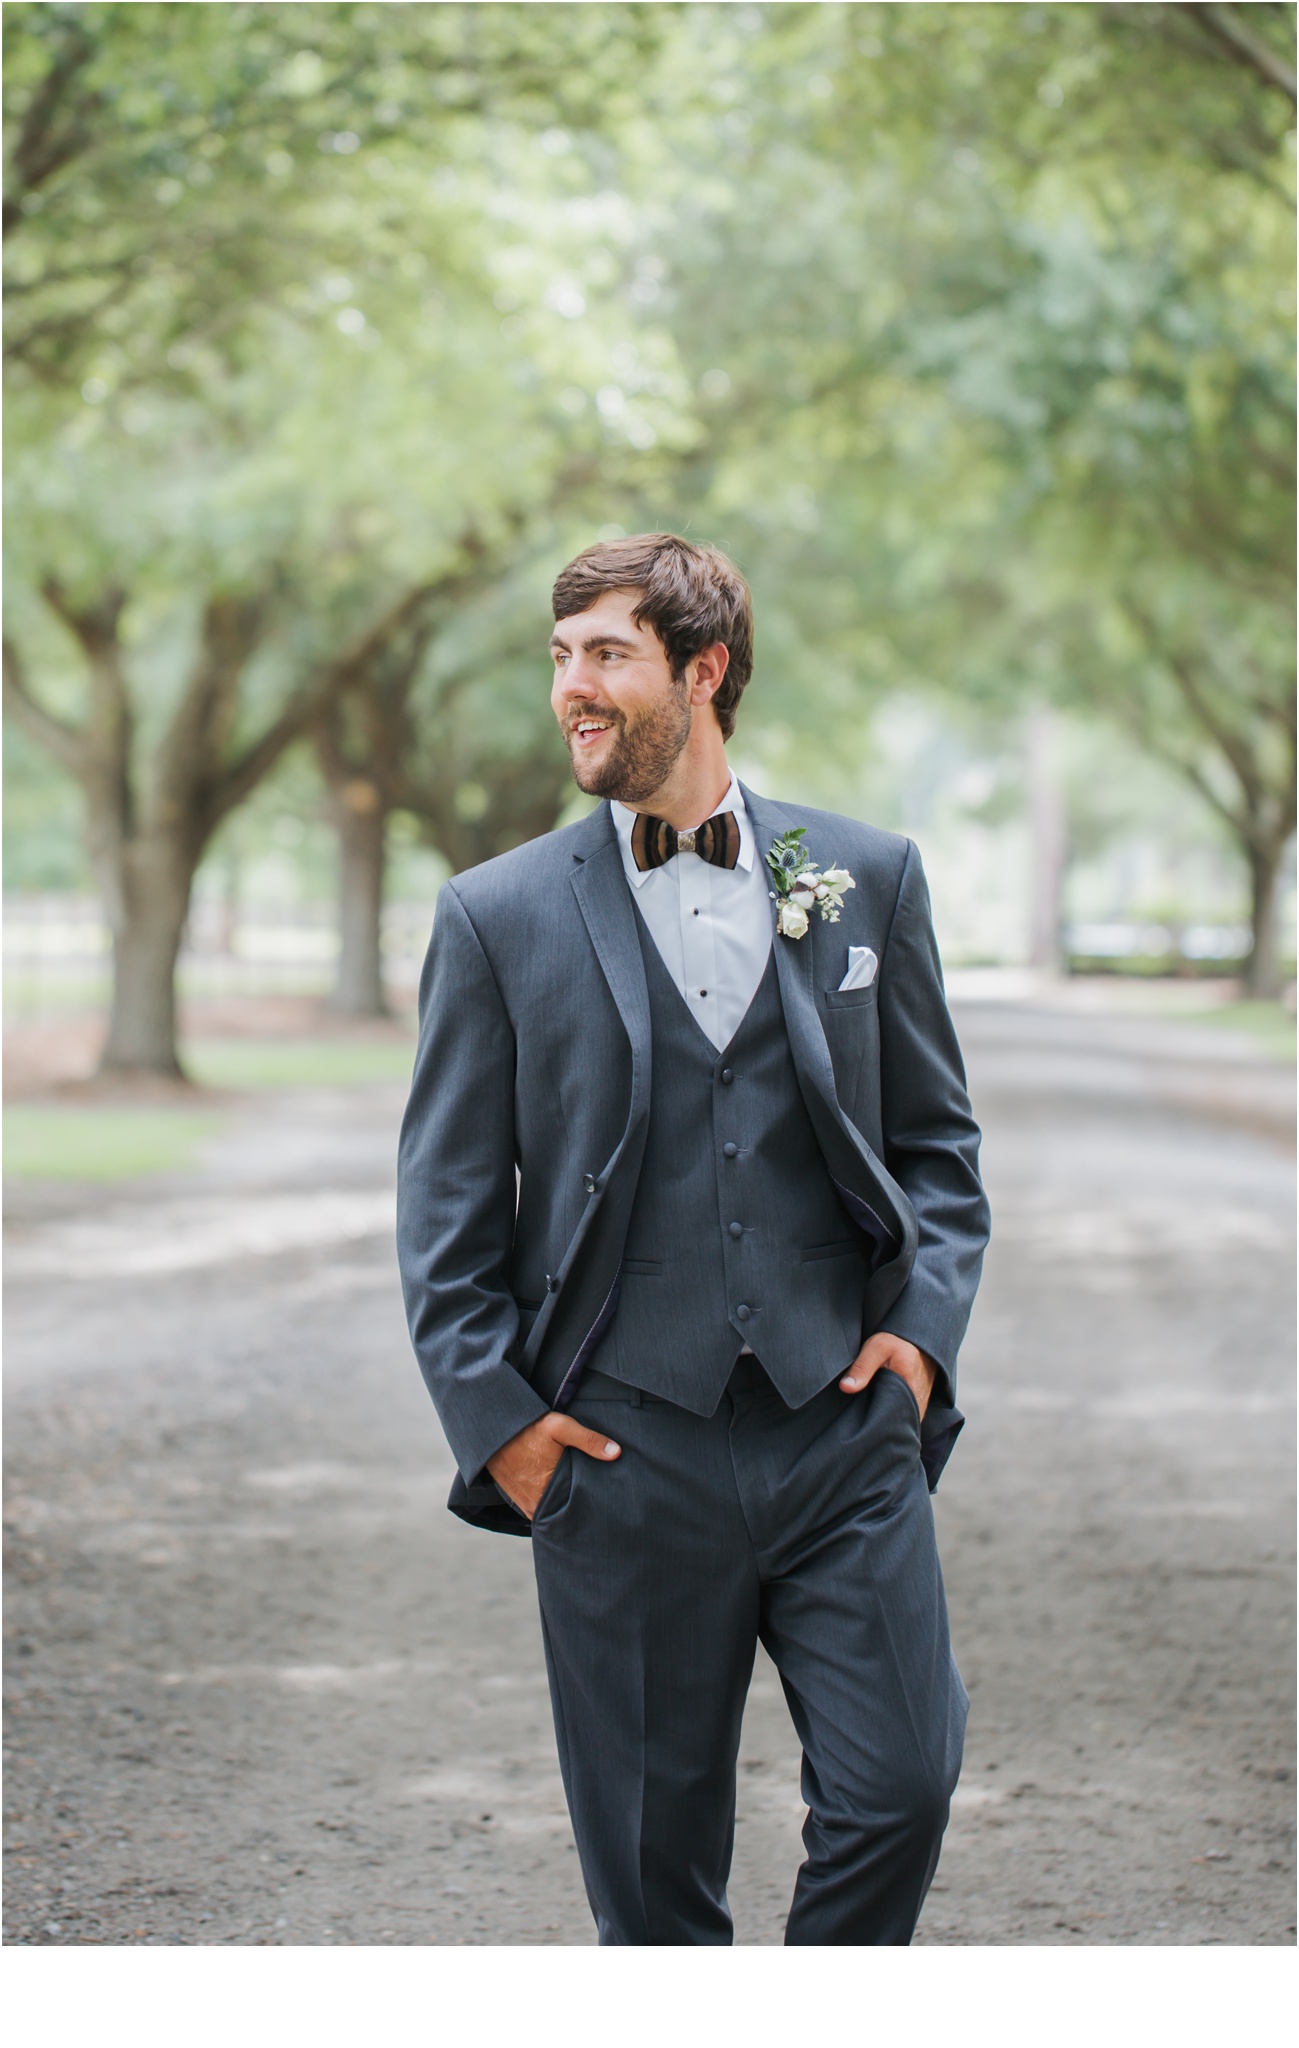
(65, 743)
(1231, 745)
(43, 145)
(306, 705)
(1226, 27)
(110, 724)
(243, 774)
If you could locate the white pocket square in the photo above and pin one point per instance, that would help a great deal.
(862, 967)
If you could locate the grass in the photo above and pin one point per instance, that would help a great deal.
(295, 1063)
(91, 1141)
(50, 1142)
(1271, 1024)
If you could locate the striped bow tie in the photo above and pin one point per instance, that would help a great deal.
(717, 841)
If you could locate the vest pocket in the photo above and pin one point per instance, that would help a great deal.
(840, 1249)
(647, 1269)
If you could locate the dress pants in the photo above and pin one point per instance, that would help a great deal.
(809, 1530)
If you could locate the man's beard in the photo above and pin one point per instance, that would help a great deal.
(643, 753)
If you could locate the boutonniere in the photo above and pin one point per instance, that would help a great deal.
(801, 888)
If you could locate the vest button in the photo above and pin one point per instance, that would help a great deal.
(736, 1229)
(588, 1182)
(552, 1285)
(727, 1075)
(729, 1151)
(743, 1312)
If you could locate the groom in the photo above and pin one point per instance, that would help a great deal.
(690, 1224)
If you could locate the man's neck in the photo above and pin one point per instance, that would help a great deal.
(693, 790)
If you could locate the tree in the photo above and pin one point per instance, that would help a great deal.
(246, 406)
(960, 326)
(1037, 439)
(364, 740)
(464, 745)
(173, 169)
(145, 842)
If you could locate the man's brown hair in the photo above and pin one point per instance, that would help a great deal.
(691, 596)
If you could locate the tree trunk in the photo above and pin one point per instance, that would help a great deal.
(361, 821)
(147, 934)
(1262, 976)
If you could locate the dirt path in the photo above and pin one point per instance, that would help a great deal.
(263, 1689)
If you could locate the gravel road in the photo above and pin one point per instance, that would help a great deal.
(264, 1689)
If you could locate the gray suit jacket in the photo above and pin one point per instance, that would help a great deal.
(524, 1132)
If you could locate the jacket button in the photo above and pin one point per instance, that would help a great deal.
(736, 1229)
(552, 1285)
(588, 1182)
(727, 1075)
(743, 1312)
(729, 1151)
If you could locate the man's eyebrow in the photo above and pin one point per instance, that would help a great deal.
(595, 640)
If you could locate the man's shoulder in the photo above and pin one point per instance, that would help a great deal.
(836, 840)
(525, 872)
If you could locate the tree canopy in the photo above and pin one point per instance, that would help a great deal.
(968, 329)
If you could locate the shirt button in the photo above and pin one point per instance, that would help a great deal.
(736, 1229)
(743, 1312)
(703, 991)
(729, 1151)
(588, 1182)
(727, 1075)
(694, 913)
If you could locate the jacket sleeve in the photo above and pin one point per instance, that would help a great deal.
(931, 1141)
(456, 1197)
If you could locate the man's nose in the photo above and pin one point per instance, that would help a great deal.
(578, 682)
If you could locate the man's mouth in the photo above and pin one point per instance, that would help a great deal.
(586, 731)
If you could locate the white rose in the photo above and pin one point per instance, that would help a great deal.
(838, 879)
(792, 920)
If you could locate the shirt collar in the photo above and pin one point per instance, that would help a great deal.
(625, 819)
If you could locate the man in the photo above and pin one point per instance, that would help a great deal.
(690, 1225)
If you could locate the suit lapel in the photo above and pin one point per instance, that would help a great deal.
(604, 899)
(795, 964)
(845, 1151)
(600, 885)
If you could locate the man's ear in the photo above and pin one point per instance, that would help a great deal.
(706, 672)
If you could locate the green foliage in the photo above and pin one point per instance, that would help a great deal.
(174, 170)
(967, 329)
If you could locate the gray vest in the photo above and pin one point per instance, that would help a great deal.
(736, 1234)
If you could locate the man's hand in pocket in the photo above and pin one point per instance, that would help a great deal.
(906, 1360)
(522, 1468)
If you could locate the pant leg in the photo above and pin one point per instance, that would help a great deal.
(855, 1619)
(649, 1607)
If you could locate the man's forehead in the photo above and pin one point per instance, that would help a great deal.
(611, 613)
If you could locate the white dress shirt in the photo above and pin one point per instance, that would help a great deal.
(712, 926)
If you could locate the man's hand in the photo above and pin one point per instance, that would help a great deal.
(909, 1363)
(522, 1467)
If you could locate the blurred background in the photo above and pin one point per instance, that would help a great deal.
(333, 331)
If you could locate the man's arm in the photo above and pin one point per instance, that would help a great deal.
(456, 1197)
(931, 1147)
